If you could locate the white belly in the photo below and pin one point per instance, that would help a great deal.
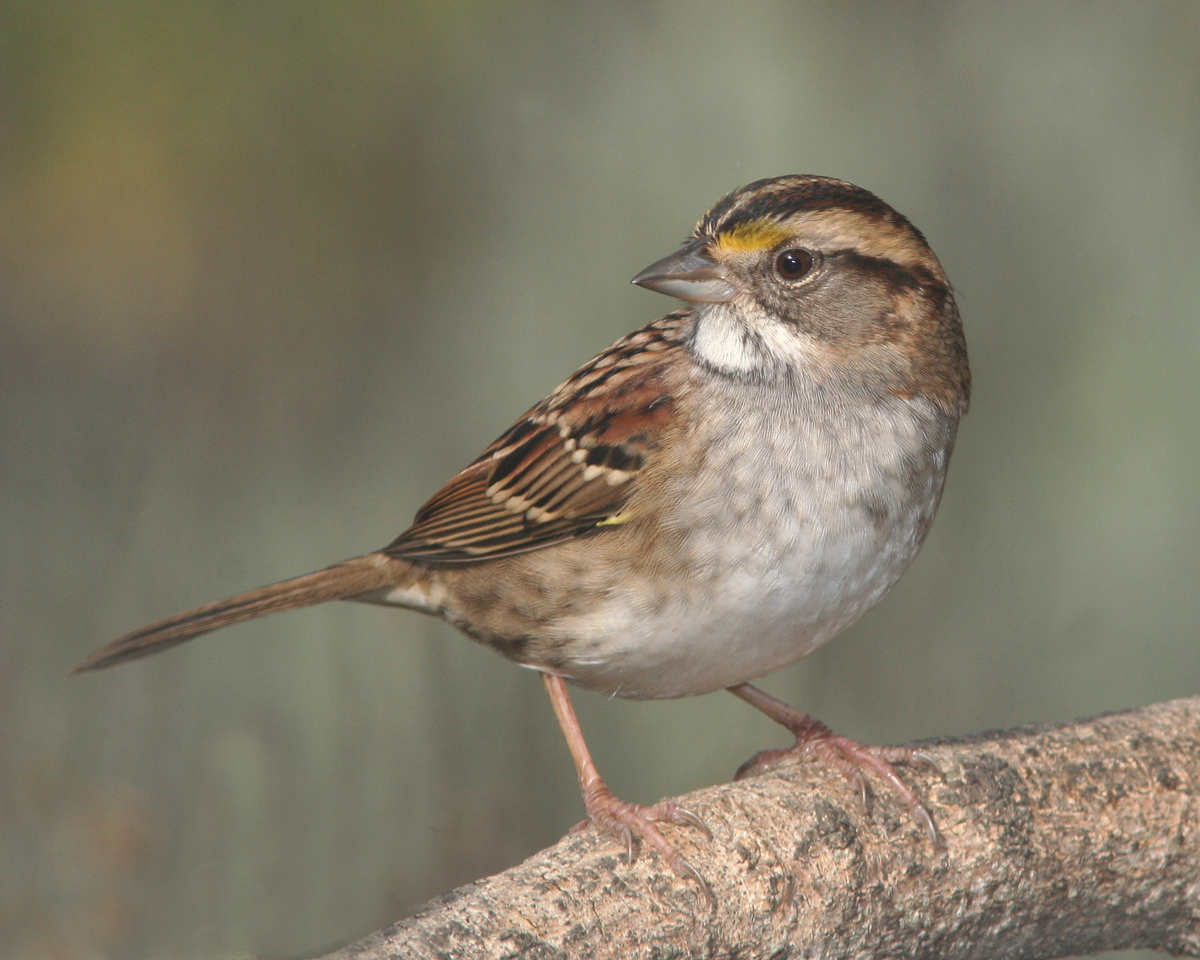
(768, 608)
(791, 545)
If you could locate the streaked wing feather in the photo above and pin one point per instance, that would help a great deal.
(566, 469)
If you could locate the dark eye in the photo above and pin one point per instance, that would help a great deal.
(793, 264)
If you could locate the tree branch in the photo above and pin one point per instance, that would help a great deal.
(1059, 840)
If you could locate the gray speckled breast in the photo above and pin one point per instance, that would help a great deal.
(808, 507)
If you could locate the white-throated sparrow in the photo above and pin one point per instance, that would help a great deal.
(711, 498)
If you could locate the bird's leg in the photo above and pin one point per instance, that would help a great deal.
(628, 822)
(851, 759)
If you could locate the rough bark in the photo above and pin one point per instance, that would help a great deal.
(1059, 840)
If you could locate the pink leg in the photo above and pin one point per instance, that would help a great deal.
(625, 821)
(851, 759)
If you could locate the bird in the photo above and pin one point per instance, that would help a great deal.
(711, 498)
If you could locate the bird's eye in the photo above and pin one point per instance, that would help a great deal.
(793, 264)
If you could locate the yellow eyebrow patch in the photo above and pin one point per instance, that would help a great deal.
(750, 236)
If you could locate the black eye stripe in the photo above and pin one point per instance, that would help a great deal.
(899, 276)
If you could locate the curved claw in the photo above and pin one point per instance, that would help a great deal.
(705, 888)
(631, 851)
(684, 816)
(633, 824)
(864, 792)
(851, 759)
(922, 816)
(928, 763)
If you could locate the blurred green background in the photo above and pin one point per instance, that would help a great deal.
(270, 272)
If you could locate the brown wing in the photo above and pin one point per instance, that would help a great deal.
(566, 469)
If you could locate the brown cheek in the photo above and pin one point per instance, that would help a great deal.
(936, 356)
(893, 320)
(853, 314)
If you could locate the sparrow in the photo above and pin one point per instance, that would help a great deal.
(713, 497)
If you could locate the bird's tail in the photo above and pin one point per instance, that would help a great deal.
(342, 581)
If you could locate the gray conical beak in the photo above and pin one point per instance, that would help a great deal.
(690, 274)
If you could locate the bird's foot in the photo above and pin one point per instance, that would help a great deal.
(851, 759)
(630, 823)
(633, 822)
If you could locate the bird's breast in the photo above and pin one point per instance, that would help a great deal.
(795, 521)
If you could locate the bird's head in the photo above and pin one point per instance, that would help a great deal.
(815, 276)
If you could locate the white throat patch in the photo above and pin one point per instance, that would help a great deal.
(723, 341)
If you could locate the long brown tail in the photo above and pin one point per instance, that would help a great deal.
(339, 582)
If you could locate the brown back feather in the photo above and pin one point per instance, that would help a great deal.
(564, 470)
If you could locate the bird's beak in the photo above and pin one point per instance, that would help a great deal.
(689, 274)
